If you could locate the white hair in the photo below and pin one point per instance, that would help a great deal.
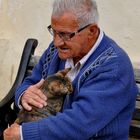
(85, 10)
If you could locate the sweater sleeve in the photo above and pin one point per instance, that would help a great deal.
(31, 80)
(100, 99)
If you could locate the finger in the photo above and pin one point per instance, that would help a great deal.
(6, 134)
(41, 95)
(13, 125)
(26, 105)
(40, 98)
(35, 103)
(33, 100)
(5, 131)
(36, 91)
(35, 94)
(6, 137)
(39, 84)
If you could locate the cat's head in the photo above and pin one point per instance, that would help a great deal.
(59, 84)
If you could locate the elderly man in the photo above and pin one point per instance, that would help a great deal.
(103, 99)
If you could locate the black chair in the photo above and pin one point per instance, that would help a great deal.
(8, 111)
(134, 131)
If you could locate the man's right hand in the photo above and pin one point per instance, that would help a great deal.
(34, 96)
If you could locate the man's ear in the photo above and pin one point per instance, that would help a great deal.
(93, 30)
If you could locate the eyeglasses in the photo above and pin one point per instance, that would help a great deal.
(63, 35)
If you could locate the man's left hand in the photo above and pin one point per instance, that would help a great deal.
(12, 133)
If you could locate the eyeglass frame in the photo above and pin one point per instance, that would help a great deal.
(61, 34)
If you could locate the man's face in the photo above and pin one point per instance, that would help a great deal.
(78, 45)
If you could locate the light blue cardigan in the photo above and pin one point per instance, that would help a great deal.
(101, 105)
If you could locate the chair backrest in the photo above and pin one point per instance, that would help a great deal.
(135, 125)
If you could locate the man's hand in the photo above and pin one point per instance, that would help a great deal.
(12, 133)
(34, 96)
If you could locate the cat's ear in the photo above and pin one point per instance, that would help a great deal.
(63, 73)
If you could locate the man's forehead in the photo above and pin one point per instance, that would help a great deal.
(67, 19)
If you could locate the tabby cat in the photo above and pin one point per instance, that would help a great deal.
(55, 87)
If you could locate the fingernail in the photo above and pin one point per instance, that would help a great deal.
(45, 98)
(45, 104)
(29, 108)
(40, 106)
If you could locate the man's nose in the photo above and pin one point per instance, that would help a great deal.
(58, 41)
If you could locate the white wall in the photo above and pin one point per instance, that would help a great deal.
(22, 19)
(19, 20)
(121, 20)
